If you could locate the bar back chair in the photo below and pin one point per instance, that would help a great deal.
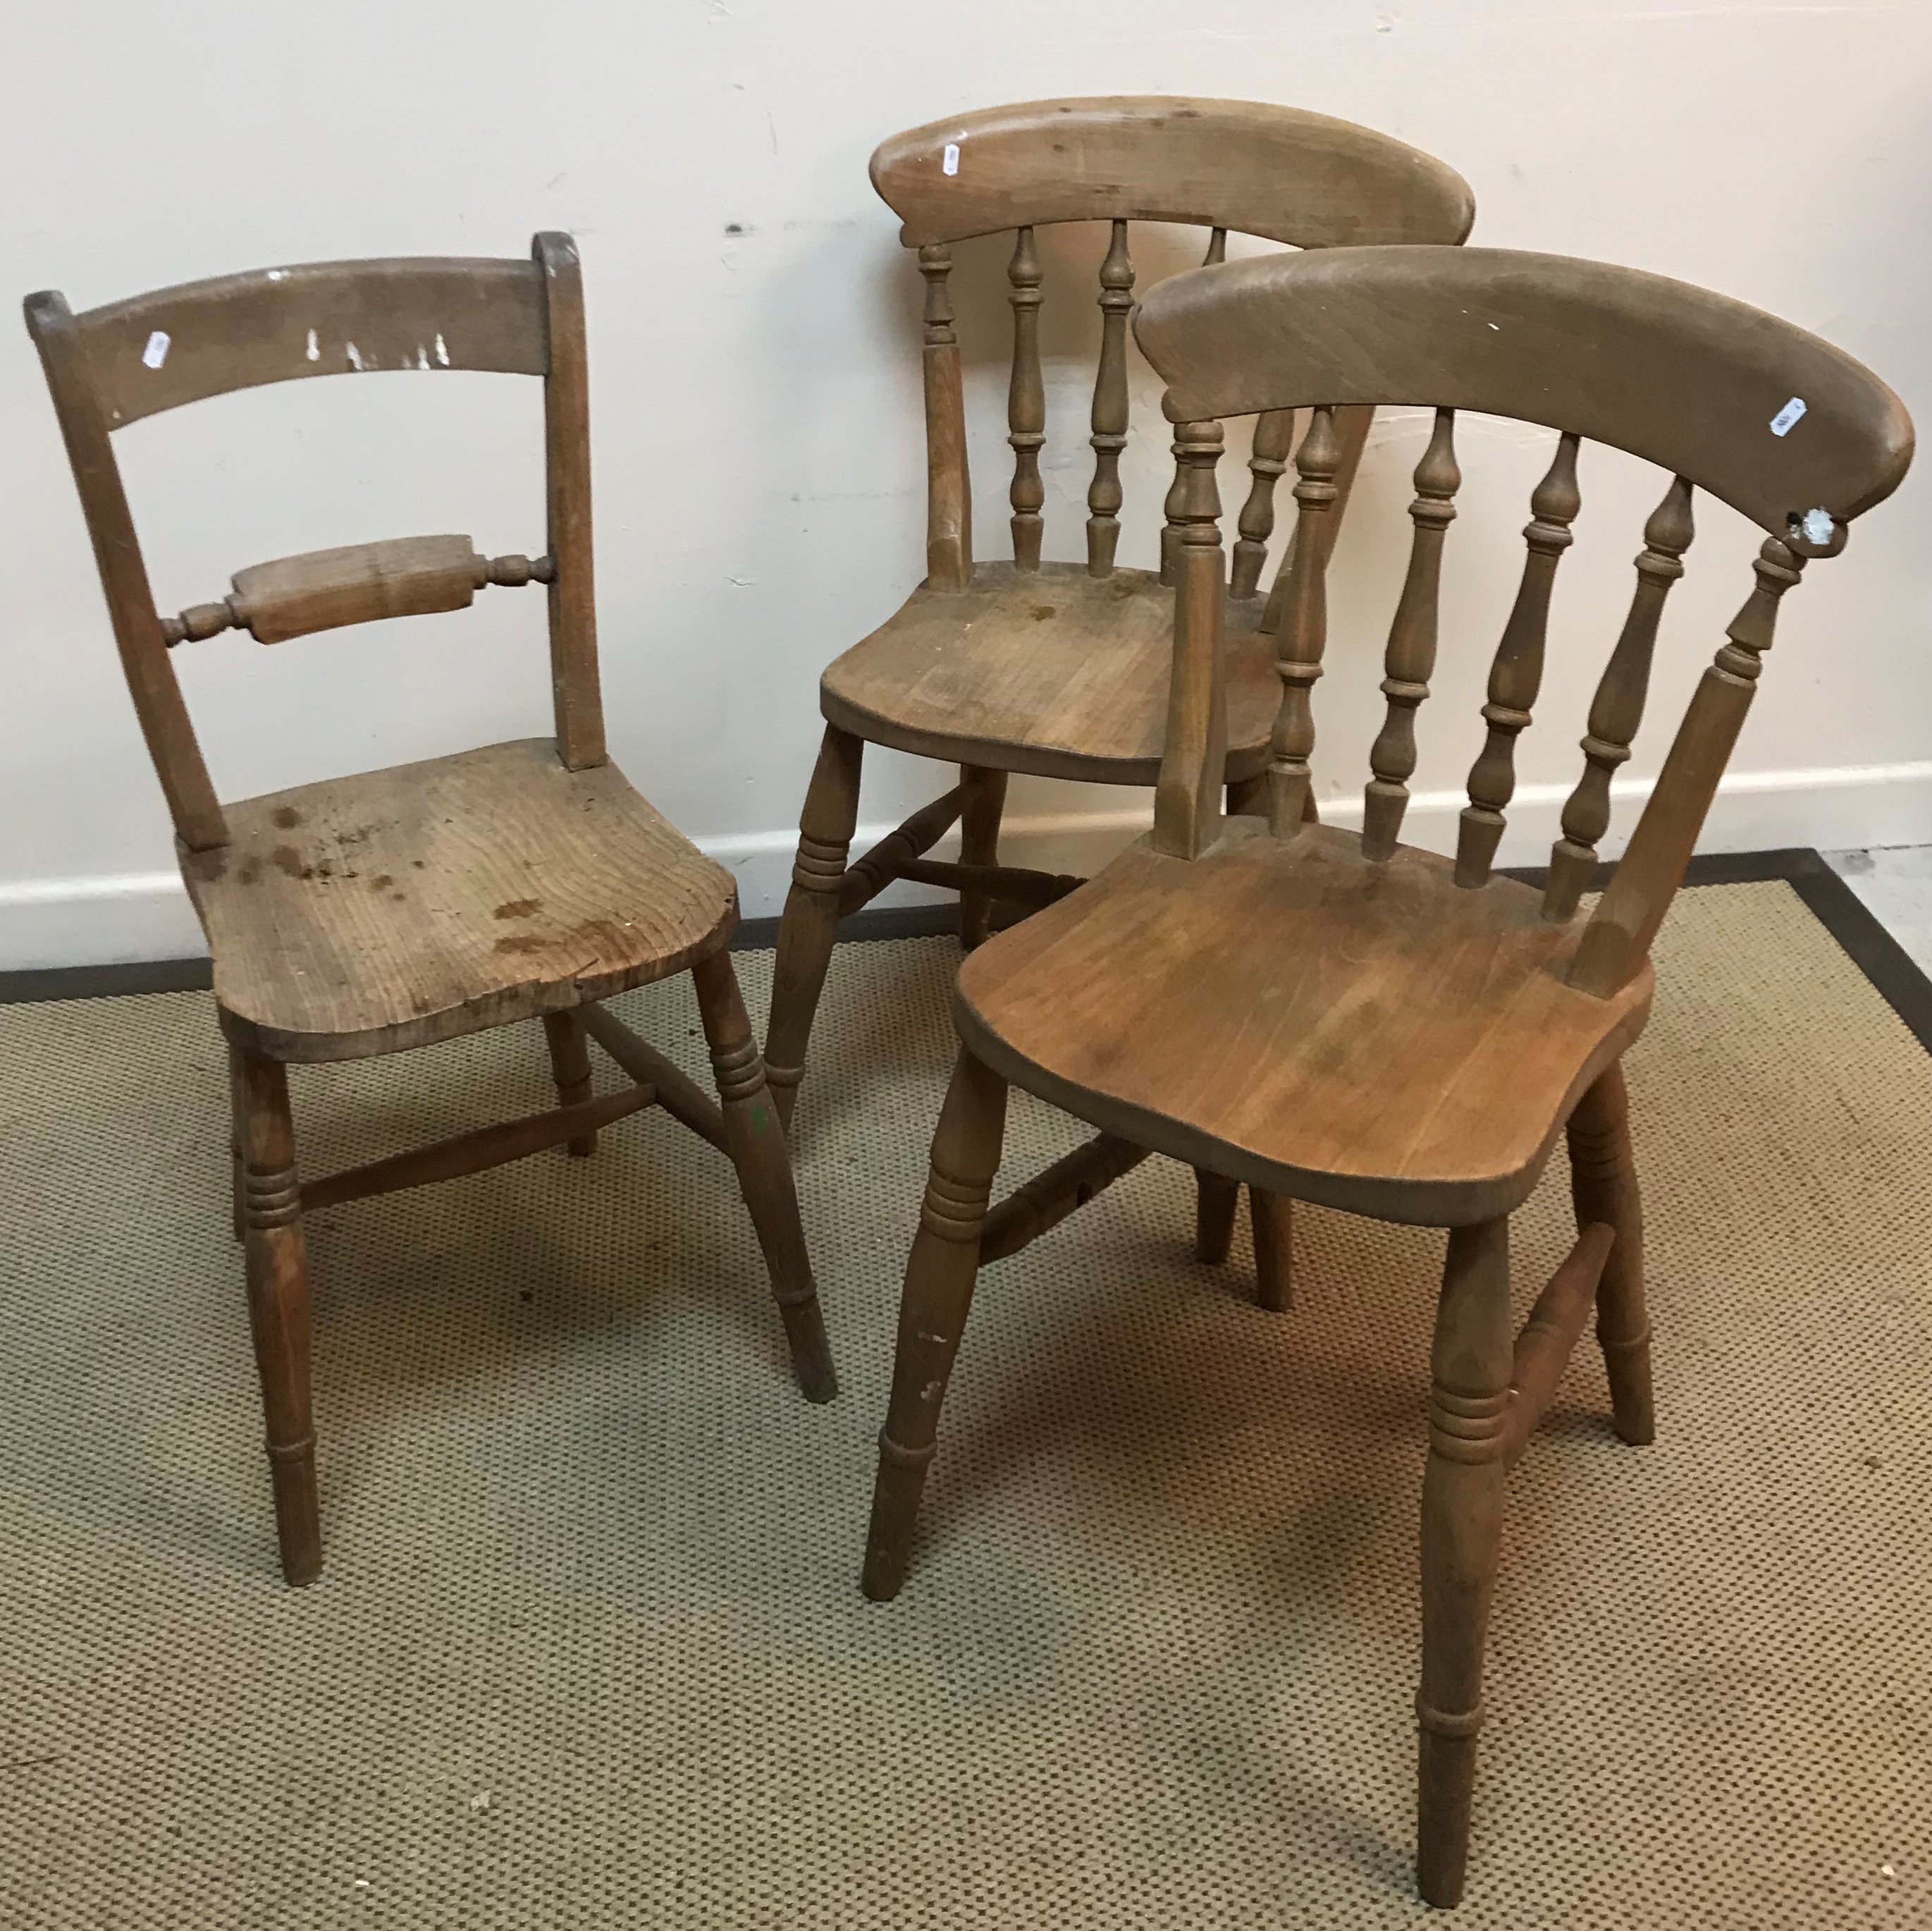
(371, 914)
(1339, 1017)
(1061, 668)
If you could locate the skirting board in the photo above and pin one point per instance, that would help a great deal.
(144, 916)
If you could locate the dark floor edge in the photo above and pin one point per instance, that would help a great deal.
(1893, 972)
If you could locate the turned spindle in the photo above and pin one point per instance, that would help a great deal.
(949, 494)
(1410, 656)
(1110, 406)
(1026, 402)
(1304, 629)
(1517, 673)
(1274, 432)
(1617, 709)
(1217, 248)
(1193, 765)
(1617, 940)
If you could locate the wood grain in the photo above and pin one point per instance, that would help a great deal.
(313, 318)
(1692, 386)
(365, 914)
(1367, 1036)
(1051, 672)
(1276, 172)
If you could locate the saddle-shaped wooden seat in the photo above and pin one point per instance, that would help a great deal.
(1371, 1036)
(394, 908)
(1052, 671)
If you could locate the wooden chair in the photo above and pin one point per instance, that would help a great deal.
(372, 914)
(1060, 669)
(1342, 1018)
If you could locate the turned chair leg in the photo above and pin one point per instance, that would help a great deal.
(979, 844)
(756, 1141)
(278, 1309)
(1604, 1186)
(939, 1279)
(234, 1138)
(570, 1068)
(1272, 1217)
(1461, 1537)
(825, 828)
(1216, 1197)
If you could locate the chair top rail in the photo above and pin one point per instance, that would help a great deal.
(1278, 173)
(173, 346)
(1783, 427)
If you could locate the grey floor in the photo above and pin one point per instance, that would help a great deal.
(1895, 882)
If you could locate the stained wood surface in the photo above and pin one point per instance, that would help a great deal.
(1367, 1035)
(315, 318)
(368, 914)
(1276, 172)
(1051, 671)
(1686, 379)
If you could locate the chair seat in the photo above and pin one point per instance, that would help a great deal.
(1048, 670)
(387, 910)
(1368, 1036)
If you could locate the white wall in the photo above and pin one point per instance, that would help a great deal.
(756, 429)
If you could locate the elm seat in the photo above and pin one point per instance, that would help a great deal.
(436, 899)
(1051, 672)
(1350, 1050)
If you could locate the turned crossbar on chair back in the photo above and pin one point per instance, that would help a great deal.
(113, 365)
(1276, 172)
(1789, 431)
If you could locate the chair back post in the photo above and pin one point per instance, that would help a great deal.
(949, 487)
(152, 683)
(1617, 940)
(575, 688)
(1187, 795)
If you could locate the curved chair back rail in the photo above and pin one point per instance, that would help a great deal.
(112, 365)
(1694, 381)
(1278, 172)
(1790, 431)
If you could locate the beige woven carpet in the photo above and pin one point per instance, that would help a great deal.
(590, 1650)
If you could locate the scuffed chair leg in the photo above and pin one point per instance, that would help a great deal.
(939, 1279)
(979, 845)
(1461, 1537)
(825, 829)
(570, 1069)
(1216, 1197)
(1604, 1186)
(278, 1310)
(757, 1143)
(1272, 1217)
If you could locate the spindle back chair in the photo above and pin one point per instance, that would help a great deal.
(371, 914)
(1059, 669)
(1339, 1017)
